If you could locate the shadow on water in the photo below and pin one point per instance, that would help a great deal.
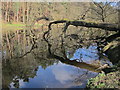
(30, 62)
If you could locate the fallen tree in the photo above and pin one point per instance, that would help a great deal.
(105, 26)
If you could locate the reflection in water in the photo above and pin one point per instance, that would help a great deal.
(57, 76)
(86, 55)
(27, 62)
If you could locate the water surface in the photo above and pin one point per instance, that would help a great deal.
(28, 64)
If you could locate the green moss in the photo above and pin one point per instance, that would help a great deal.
(16, 25)
(6, 27)
(110, 80)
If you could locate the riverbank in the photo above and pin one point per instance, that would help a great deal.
(110, 80)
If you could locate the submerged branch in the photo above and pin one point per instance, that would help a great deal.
(75, 63)
(65, 60)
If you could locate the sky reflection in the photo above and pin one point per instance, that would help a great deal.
(61, 75)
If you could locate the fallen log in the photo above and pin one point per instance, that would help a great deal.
(104, 26)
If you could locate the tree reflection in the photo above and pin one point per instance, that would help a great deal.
(64, 58)
(23, 63)
(22, 69)
(24, 52)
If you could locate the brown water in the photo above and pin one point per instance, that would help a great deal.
(27, 62)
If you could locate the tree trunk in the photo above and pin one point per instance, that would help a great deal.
(23, 8)
(27, 12)
(17, 15)
(6, 14)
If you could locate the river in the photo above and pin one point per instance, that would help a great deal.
(27, 62)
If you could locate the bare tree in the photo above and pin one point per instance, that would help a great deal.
(102, 10)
